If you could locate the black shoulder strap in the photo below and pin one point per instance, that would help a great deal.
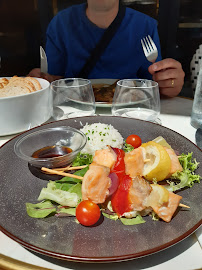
(103, 43)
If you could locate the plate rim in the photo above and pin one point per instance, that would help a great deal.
(120, 258)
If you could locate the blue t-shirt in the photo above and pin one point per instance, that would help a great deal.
(71, 37)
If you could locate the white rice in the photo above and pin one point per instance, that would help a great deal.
(99, 136)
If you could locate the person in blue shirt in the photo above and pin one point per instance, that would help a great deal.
(74, 32)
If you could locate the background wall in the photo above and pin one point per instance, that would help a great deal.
(19, 36)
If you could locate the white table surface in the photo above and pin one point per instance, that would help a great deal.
(186, 255)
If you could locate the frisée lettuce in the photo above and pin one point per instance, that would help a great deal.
(187, 177)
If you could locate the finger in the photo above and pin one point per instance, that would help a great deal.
(169, 91)
(48, 77)
(170, 83)
(43, 75)
(165, 75)
(35, 73)
(164, 64)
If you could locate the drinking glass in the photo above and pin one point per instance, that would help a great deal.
(137, 98)
(72, 97)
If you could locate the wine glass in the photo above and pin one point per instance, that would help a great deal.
(72, 97)
(137, 98)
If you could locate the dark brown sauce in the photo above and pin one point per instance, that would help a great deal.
(52, 151)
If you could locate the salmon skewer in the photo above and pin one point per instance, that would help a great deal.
(175, 164)
(135, 194)
(166, 210)
(105, 157)
(143, 196)
(138, 193)
(135, 162)
(96, 183)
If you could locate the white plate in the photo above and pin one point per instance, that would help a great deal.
(103, 81)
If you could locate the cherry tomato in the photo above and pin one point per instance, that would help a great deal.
(87, 213)
(134, 140)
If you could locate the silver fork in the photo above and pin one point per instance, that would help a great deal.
(149, 49)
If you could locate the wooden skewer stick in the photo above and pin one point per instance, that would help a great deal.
(62, 169)
(68, 168)
(146, 160)
(183, 205)
(61, 173)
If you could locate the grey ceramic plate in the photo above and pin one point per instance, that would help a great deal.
(110, 241)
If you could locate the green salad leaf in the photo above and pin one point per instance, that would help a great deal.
(59, 196)
(154, 216)
(66, 192)
(69, 211)
(127, 147)
(40, 210)
(187, 177)
(133, 221)
(187, 162)
(73, 188)
(76, 189)
(71, 180)
(63, 186)
(82, 159)
(114, 217)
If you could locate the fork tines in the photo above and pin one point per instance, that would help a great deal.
(149, 48)
(148, 44)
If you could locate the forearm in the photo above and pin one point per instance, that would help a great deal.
(52, 78)
(36, 72)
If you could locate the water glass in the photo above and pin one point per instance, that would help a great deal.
(137, 98)
(196, 116)
(72, 97)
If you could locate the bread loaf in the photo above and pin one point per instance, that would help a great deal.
(35, 82)
(14, 90)
(18, 86)
(15, 81)
(3, 82)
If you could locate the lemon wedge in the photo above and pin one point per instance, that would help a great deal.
(158, 196)
(158, 163)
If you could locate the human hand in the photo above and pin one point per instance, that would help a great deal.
(168, 73)
(36, 72)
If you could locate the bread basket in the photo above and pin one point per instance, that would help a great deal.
(22, 112)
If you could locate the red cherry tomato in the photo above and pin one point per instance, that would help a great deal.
(87, 213)
(134, 140)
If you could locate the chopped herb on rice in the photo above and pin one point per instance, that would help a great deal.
(98, 138)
